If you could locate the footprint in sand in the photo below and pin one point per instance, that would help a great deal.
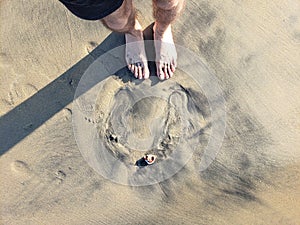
(21, 168)
(91, 46)
(60, 176)
(18, 92)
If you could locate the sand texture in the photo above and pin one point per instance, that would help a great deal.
(49, 110)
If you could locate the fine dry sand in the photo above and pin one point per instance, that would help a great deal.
(252, 47)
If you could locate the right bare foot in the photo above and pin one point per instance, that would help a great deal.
(166, 55)
(135, 53)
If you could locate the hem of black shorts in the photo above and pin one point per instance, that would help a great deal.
(109, 11)
(102, 14)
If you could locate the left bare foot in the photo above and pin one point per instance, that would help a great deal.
(135, 54)
(166, 55)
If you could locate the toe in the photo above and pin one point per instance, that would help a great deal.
(166, 72)
(160, 72)
(170, 72)
(146, 72)
(173, 66)
(136, 71)
(140, 71)
(132, 69)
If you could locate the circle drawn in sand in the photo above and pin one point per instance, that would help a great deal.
(115, 123)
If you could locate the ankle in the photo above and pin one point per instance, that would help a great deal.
(160, 28)
(136, 30)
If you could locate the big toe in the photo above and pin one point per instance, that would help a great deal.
(146, 72)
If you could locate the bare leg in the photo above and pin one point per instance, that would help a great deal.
(165, 12)
(124, 20)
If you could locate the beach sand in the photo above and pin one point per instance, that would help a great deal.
(252, 48)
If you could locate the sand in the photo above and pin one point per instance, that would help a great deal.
(252, 48)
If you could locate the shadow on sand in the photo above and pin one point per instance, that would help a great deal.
(36, 110)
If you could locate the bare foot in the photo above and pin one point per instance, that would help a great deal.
(166, 55)
(135, 53)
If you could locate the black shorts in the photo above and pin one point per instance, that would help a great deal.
(92, 9)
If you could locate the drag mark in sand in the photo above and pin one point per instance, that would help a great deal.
(117, 120)
(153, 125)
